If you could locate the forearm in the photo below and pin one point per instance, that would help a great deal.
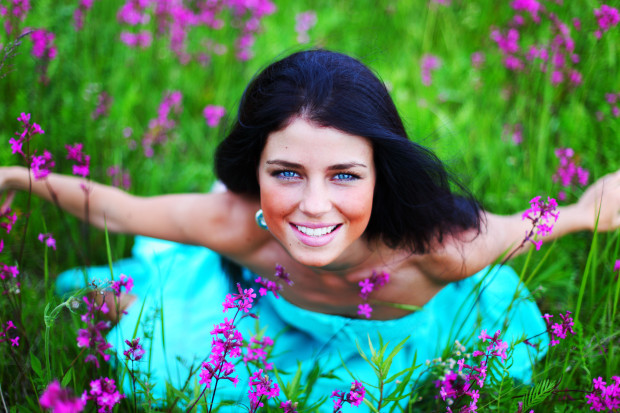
(464, 254)
(513, 234)
(87, 200)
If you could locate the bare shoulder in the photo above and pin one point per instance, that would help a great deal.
(225, 223)
(447, 259)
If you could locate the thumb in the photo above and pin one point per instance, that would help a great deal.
(6, 204)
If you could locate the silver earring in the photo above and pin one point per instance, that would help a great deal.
(260, 219)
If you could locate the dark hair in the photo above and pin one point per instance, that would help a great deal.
(413, 200)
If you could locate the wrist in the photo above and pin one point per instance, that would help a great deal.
(576, 218)
(15, 178)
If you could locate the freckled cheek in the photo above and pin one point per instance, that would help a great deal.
(277, 204)
(357, 208)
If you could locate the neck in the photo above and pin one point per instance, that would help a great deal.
(357, 256)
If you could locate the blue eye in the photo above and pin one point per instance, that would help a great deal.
(345, 177)
(287, 174)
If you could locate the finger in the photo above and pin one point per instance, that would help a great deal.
(10, 195)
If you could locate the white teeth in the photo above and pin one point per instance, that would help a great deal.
(316, 232)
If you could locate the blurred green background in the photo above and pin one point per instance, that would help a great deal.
(467, 114)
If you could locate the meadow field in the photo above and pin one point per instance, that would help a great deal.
(519, 98)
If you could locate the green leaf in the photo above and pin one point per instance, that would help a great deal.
(408, 370)
(173, 391)
(406, 307)
(370, 406)
(67, 378)
(393, 353)
(361, 352)
(539, 393)
(372, 349)
(36, 366)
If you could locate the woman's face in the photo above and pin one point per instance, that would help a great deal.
(316, 190)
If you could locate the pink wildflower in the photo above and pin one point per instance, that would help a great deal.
(142, 39)
(575, 77)
(543, 215)
(617, 265)
(124, 281)
(160, 127)
(213, 114)
(241, 301)
(120, 178)
(569, 173)
(530, 6)
(288, 407)
(364, 310)
(105, 394)
(558, 330)
(557, 77)
(48, 240)
(304, 22)
(256, 351)
(261, 385)
(477, 59)
(42, 44)
(428, 64)
(135, 350)
(355, 396)
(82, 161)
(19, 10)
(376, 280)
(508, 43)
(484, 336)
(7, 220)
(227, 342)
(80, 12)
(41, 165)
(283, 275)
(92, 337)
(611, 98)
(268, 285)
(606, 17)
(4, 332)
(514, 132)
(367, 287)
(602, 397)
(8, 271)
(457, 385)
(104, 101)
(133, 13)
(60, 400)
(29, 131)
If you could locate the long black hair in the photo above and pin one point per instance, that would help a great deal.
(416, 199)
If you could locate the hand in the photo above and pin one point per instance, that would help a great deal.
(6, 201)
(6, 195)
(603, 196)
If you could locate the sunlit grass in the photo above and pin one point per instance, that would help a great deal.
(462, 115)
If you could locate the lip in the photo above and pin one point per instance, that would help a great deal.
(313, 225)
(315, 241)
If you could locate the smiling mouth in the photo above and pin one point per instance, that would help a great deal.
(316, 232)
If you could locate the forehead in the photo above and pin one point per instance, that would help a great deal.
(306, 142)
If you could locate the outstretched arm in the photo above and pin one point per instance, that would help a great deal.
(202, 219)
(463, 255)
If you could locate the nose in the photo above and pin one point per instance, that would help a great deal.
(316, 200)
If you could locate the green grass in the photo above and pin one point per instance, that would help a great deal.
(461, 116)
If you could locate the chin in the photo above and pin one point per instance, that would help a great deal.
(315, 259)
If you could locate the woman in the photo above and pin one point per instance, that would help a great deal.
(318, 157)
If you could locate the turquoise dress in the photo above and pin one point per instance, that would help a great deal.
(181, 289)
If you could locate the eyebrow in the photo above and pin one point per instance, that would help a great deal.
(338, 166)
